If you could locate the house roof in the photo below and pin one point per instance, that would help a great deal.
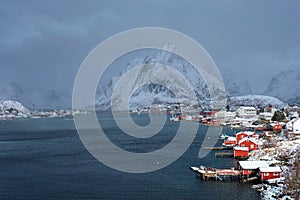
(247, 108)
(241, 148)
(246, 132)
(270, 169)
(253, 140)
(231, 139)
(253, 164)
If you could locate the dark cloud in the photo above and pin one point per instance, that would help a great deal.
(42, 43)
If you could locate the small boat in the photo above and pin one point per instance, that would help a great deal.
(224, 136)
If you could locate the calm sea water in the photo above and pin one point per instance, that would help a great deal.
(45, 159)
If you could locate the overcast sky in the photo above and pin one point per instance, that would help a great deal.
(42, 43)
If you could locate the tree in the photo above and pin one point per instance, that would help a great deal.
(278, 116)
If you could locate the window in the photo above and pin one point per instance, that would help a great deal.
(252, 146)
(266, 174)
(275, 174)
(243, 145)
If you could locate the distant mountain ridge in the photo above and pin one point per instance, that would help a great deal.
(285, 86)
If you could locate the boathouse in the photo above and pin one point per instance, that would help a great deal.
(230, 141)
(251, 168)
(241, 152)
(267, 173)
(251, 143)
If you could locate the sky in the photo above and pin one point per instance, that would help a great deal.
(43, 43)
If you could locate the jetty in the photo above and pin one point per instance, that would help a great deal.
(218, 148)
(207, 173)
(224, 155)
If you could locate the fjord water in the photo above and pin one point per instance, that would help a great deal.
(45, 159)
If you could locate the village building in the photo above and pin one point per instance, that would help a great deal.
(246, 112)
(277, 127)
(251, 143)
(294, 126)
(230, 141)
(240, 152)
(251, 168)
(267, 173)
(245, 134)
(224, 115)
(265, 116)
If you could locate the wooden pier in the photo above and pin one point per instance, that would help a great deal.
(218, 148)
(207, 173)
(224, 154)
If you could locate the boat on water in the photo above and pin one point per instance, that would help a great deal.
(224, 136)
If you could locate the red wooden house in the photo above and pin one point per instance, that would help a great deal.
(277, 127)
(251, 168)
(241, 135)
(267, 173)
(230, 141)
(251, 143)
(241, 152)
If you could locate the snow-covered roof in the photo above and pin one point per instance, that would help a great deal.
(231, 139)
(246, 132)
(253, 164)
(241, 148)
(253, 140)
(247, 108)
(270, 169)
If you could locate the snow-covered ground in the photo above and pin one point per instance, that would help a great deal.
(281, 151)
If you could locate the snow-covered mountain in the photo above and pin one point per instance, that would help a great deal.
(285, 85)
(153, 71)
(13, 108)
(233, 86)
(255, 100)
(41, 100)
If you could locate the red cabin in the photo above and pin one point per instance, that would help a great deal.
(241, 152)
(251, 168)
(251, 143)
(277, 127)
(241, 135)
(267, 173)
(230, 141)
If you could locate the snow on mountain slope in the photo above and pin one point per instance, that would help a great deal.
(255, 100)
(154, 93)
(285, 85)
(41, 100)
(235, 87)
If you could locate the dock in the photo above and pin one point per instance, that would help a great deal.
(224, 155)
(218, 148)
(207, 173)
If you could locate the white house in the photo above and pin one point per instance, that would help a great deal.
(294, 125)
(246, 112)
(224, 115)
(266, 115)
